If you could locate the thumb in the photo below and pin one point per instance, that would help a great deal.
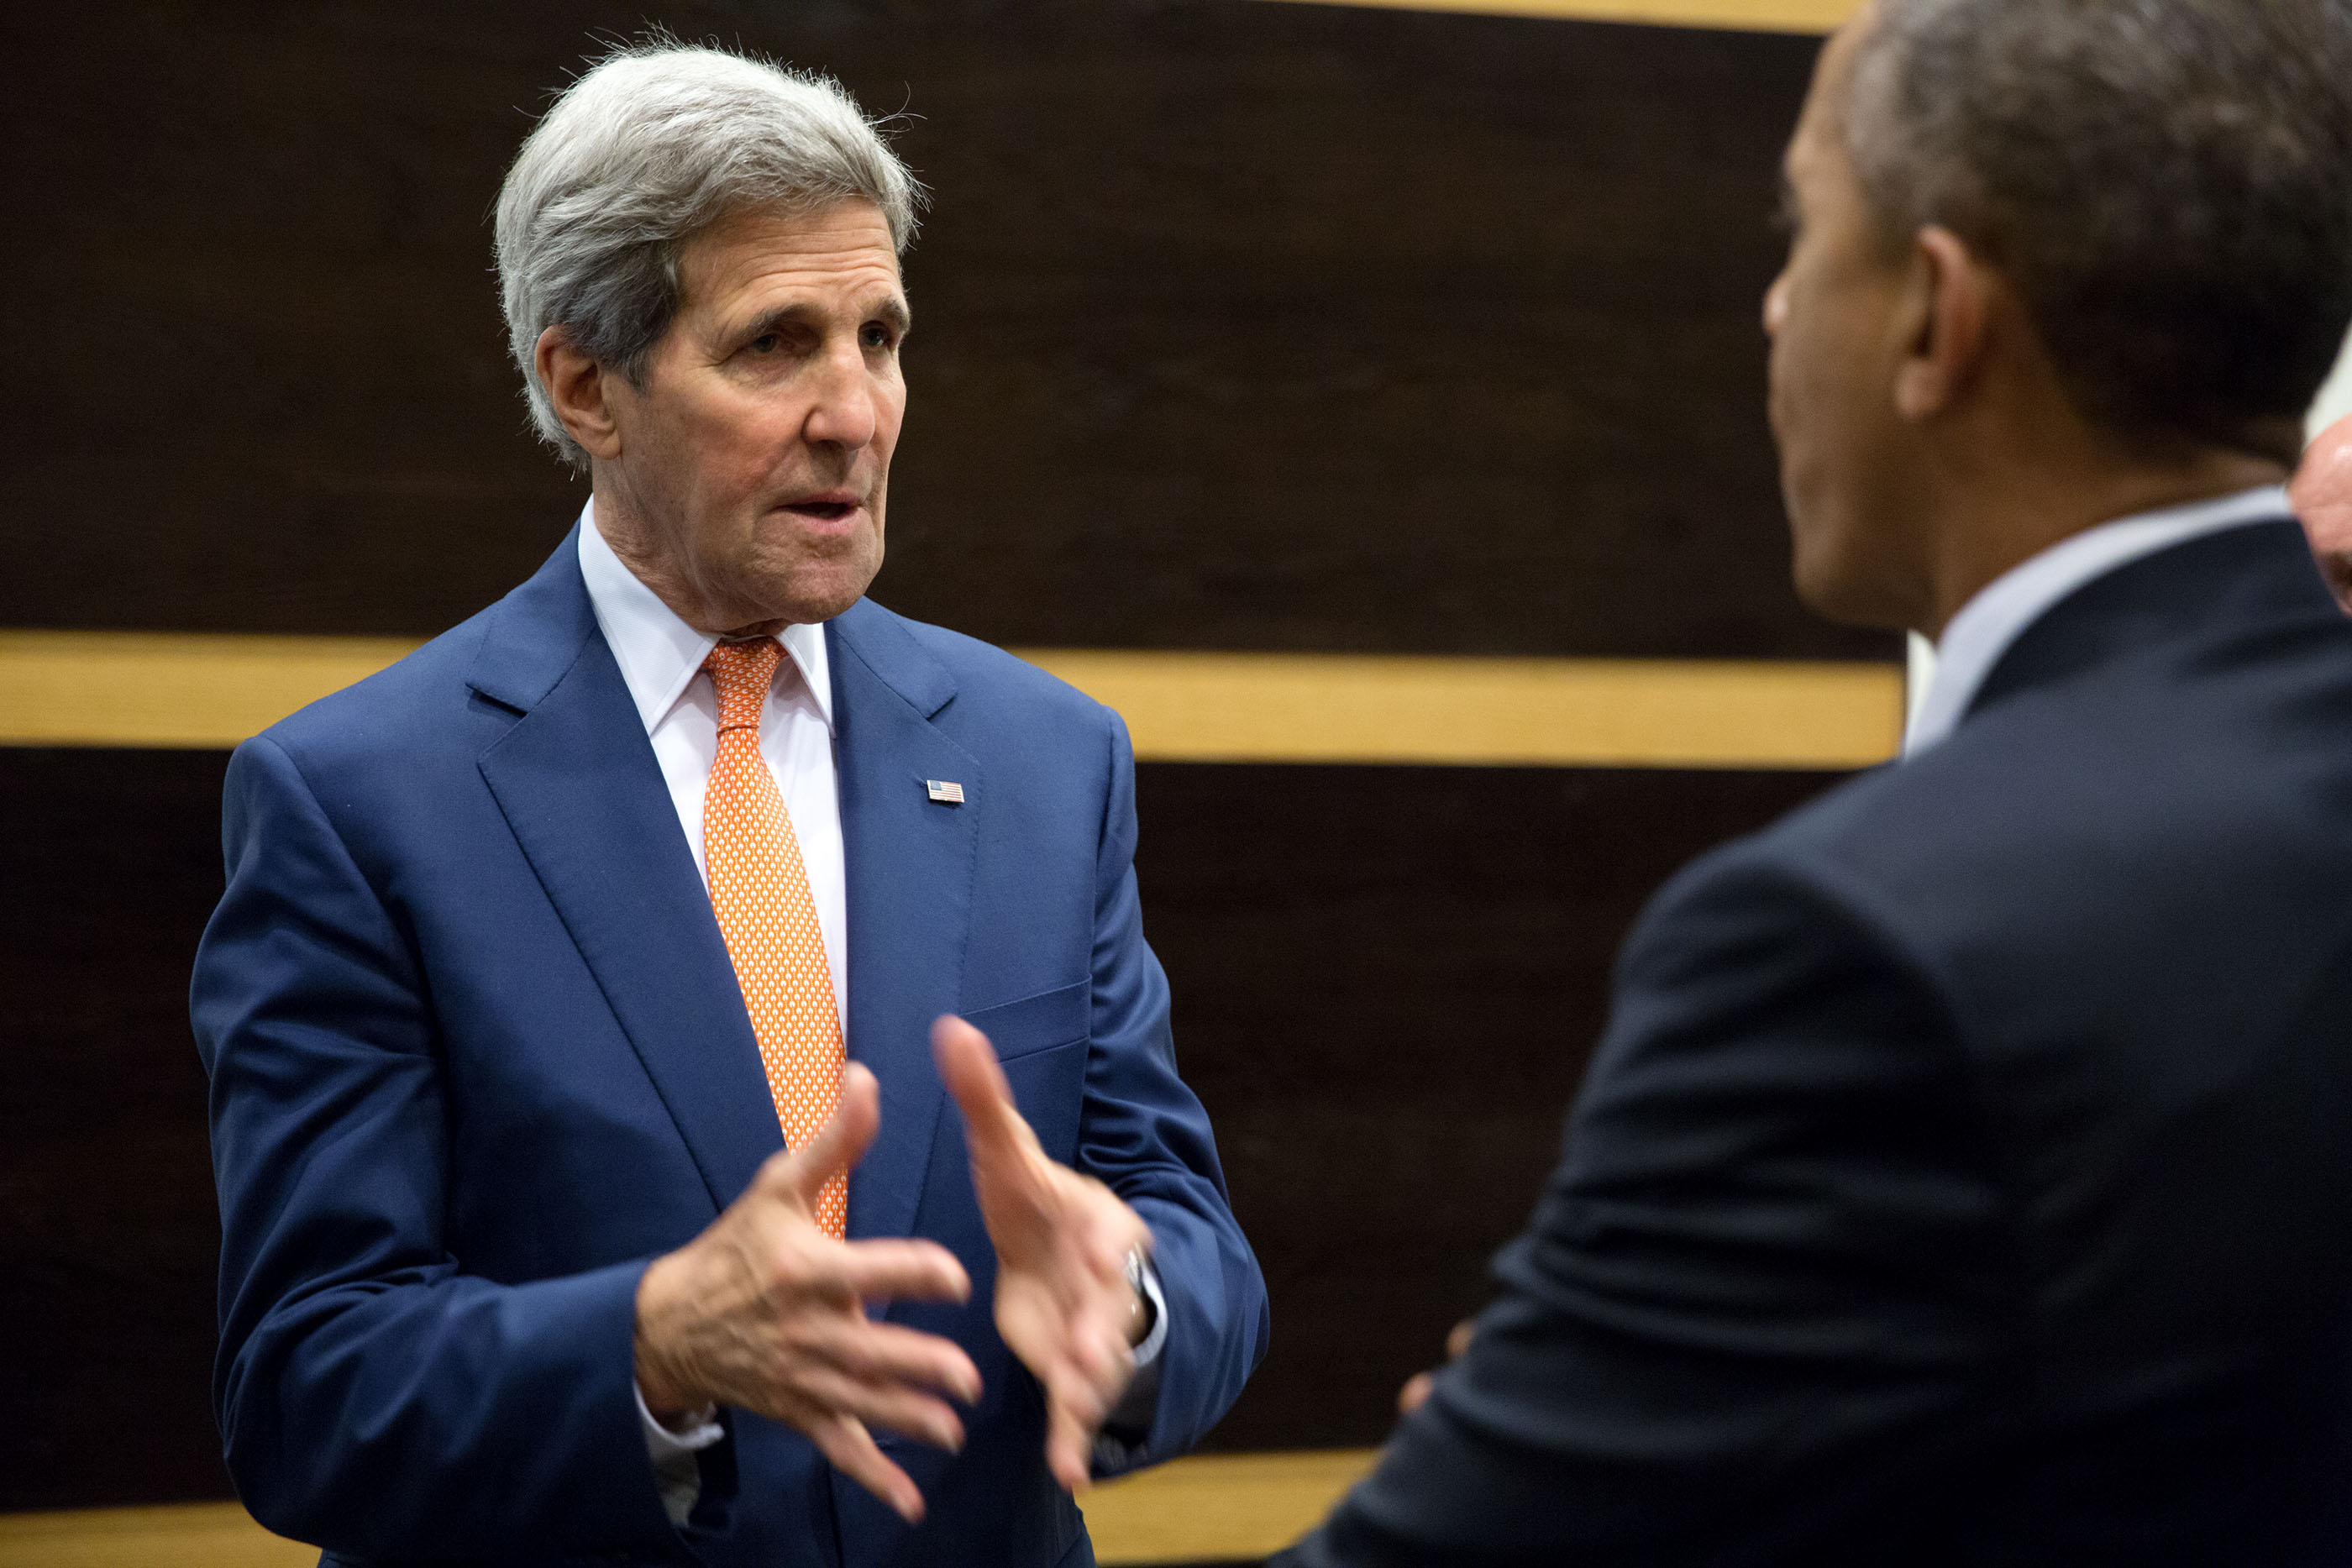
(968, 1064)
(838, 1145)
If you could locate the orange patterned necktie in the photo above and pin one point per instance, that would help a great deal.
(761, 890)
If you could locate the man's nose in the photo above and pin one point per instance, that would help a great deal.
(845, 412)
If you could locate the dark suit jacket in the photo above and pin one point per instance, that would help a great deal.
(477, 1055)
(1966, 1175)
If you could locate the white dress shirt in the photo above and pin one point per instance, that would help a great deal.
(661, 659)
(661, 663)
(2001, 611)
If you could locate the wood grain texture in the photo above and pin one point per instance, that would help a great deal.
(1241, 325)
(1760, 16)
(1489, 713)
(1386, 981)
(1225, 1508)
(109, 867)
(183, 689)
(1234, 1508)
(186, 1535)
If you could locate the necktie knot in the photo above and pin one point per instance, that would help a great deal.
(741, 673)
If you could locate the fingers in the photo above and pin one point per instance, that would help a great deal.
(1067, 1439)
(968, 1065)
(802, 1173)
(1081, 1385)
(849, 1447)
(841, 1142)
(902, 1270)
(893, 1406)
(1417, 1390)
(887, 1353)
(1076, 1400)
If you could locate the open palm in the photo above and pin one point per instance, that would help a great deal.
(1062, 1302)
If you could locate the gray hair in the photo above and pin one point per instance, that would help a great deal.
(2167, 183)
(656, 141)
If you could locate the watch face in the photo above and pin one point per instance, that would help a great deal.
(1147, 1310)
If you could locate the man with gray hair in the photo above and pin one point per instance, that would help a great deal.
(1963, 1177)
(589, 989)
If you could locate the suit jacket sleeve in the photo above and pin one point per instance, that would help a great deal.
(1752, 1306)
(1144, 1134)
(374, 1398)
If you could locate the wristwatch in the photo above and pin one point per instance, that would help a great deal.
(1146, 1312)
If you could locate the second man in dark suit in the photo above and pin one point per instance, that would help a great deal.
(1963, 1177)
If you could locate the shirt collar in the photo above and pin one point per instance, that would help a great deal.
(658, 653)
(2001, 611)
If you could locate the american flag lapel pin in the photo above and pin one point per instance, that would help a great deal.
(947, 792)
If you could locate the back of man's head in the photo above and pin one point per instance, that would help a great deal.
(2167, 183)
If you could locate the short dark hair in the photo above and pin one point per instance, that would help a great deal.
(2169, 183)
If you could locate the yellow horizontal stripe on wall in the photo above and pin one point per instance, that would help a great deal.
(1571, 713)
(1218, 1507)
(157, 688)
(154, 689)
(1749, 15)
(1230, 1507)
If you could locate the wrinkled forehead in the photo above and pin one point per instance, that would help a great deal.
(841, 249)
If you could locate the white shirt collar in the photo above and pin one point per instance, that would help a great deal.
(658, 653)
(2001, 611)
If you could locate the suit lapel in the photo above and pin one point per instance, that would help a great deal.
(910, 862)
(581, 789)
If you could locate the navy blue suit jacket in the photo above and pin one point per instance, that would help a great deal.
(1966, 1175)
(477, 1055)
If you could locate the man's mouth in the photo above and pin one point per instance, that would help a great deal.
(829, 507)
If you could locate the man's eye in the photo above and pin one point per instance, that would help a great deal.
(766, 343)
(877, 336)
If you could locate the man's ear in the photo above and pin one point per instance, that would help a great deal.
(1945, 315)
(580, 390)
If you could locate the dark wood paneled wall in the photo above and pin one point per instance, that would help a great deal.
(1388, 980)
(1241, 325)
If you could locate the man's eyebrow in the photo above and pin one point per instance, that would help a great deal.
(891, 310)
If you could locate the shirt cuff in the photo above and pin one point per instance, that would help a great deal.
(677, 1473)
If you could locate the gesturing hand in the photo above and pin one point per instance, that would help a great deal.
(765, 1311)
(1415, 1391)
(1063, 1303)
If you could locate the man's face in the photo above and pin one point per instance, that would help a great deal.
(1836, 343)
(2323, 499)
(755, 457)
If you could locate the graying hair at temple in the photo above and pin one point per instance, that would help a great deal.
(2168, 182)
(654, 143)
